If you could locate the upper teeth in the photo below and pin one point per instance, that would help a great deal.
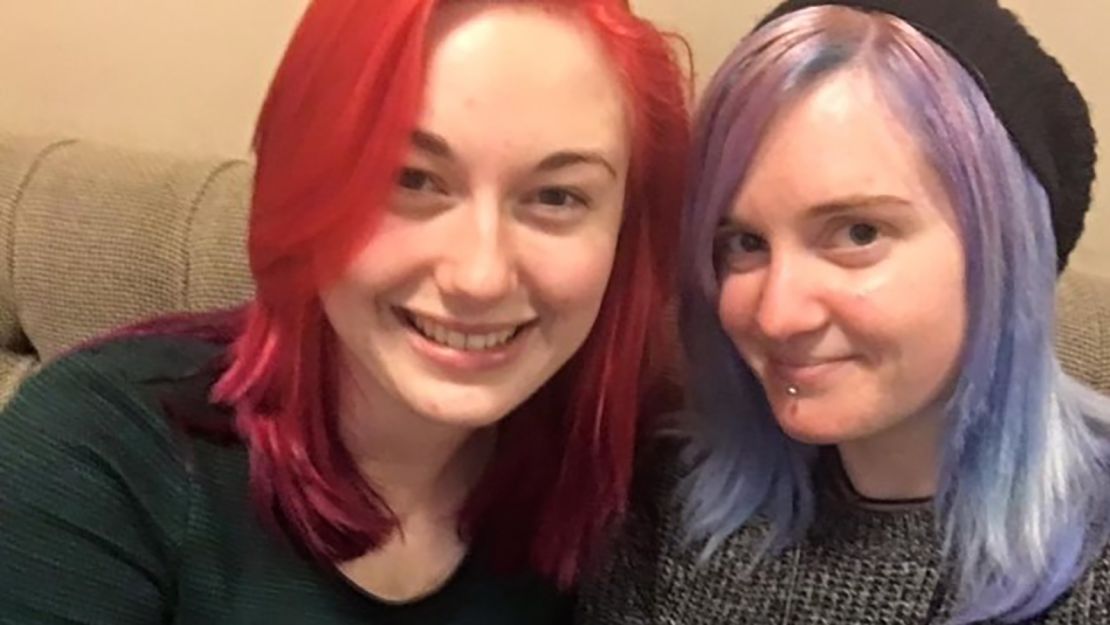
(460, 340)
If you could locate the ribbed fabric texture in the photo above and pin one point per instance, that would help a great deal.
(1083, 328)
(1038, 104)
(857, 566)
(93, 237)
(105, 236)
(111, 515)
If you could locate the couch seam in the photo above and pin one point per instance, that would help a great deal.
(17, 199)
(190, 221)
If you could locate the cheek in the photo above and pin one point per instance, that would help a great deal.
(344, 306)
(915, 321)
(938, 332)
(737, 306)
(570, 281)
(383, 267)
(568, 273)
(938, 292)
(393, 252)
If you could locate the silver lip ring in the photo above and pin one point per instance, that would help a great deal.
(792, 390)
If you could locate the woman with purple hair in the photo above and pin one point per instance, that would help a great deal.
(880, 432)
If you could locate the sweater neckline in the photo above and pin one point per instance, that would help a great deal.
(842, 510)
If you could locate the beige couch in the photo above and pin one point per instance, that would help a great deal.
(94, 236)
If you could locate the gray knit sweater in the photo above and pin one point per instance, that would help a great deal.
(857, 565)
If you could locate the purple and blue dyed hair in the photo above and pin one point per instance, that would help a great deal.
(1024, 491)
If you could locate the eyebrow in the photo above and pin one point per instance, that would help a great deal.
(856, 202)
(836, 206)
(432, 143)
(567, 158)
(437, 146)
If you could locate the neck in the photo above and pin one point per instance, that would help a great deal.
(417, 465)
(899, 463)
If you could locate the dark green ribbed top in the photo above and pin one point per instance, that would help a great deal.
(111, 515)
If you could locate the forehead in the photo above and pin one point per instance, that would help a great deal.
(839, 138)
(520, 73)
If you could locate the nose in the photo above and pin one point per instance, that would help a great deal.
(479, 264)
(791, 300)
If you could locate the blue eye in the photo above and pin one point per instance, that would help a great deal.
(857, 242)
(862, 234)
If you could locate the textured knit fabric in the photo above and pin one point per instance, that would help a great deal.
(1083, 328)
(111, 515)
(856, 566)
(1038, 104)
(93, 237)
(124, 247)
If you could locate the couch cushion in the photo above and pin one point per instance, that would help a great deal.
(217, 274)
(105, 236)
(1083, 328)
(20, 157)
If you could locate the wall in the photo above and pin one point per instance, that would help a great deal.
(190, 76)
(165, 74)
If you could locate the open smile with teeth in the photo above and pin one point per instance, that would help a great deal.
(453, 338)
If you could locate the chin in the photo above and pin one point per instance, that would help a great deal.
(813, 437)
(830, 429)
(469, 421)
(819, 428)
(464, 414)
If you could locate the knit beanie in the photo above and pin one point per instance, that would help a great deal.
(1043, 111)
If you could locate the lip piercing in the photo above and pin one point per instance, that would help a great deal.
(792, 390)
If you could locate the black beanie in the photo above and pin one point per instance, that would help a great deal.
(1040, 107)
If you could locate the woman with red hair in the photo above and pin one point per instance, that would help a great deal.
(462, 229)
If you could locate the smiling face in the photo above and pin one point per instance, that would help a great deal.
(489, 267)
(842, 272)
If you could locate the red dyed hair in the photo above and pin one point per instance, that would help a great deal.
(330, 141)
